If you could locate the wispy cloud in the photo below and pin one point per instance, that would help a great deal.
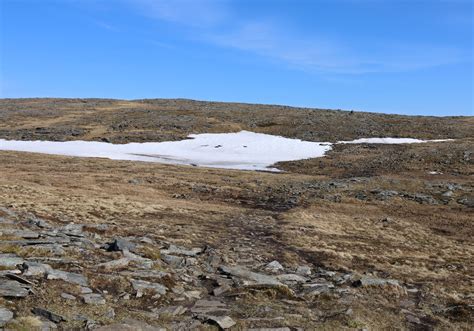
(201, 14)
(213, 22)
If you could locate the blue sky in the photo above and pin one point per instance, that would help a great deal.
(408, 57)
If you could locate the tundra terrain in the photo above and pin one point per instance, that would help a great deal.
(368, 237)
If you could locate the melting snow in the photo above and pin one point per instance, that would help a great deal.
(242, 150)
(389, 141)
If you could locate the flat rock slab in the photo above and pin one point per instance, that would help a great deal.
(10, 260)
(141, 286)
(120, 244)
(25, 234)
(171, 310)
(5, 316)
(93, 299)
(67, 277)
(292, 278)
(53, 317)
(208, 306)
(175, 250)
(13, 289)
(35, 268)
(256, 278)
(224, 322)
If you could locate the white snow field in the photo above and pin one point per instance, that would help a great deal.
(243, 150)
(389, 141)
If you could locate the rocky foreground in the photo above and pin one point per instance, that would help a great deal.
(81, 276)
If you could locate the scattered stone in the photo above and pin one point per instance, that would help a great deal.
(218, 291)
(120, 244)
(93, 299)
(192, 294)
(25, 234)
(19, 279)
(73, 230)
(10, 260)
(175, 261)
(170, 311)
(114, 264)
(447, 194)
(5, 316)
(53, 317)
(41, 223)
(253, 277)
(85, 290)
(291, 278)
(67, 277)
(274, 267)
(224, 322)
(141, 286)
(172, 249)
(11, 288)
(467, 201)
(368, 281)
(208, 306)
(68, 296)
(303, 270)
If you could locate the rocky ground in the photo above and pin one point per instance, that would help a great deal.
(370, 237)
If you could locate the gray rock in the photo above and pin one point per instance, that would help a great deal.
(19, 279)
(170, 310)
(369, 281)
(93, 299)
(274, 266)
(467, 201)
(120, 244)
(175, 261)
(139, 261)
(73, 230)
(253, 277)
(175, 250)
(218, 291)
(291, 278)
(5, 316)
(303, 270)
(25, 234)
(68, 296)
(85, 290)
(114, 264)
(53, 317)
(10, 260)
(14, 289)
(447, 194)
(35, 268)
(224, 322)
(67, 277)
(208, 306)
(41, 223)
(141, 286)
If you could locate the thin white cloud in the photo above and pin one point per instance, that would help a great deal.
(214, 23)
(202, 13)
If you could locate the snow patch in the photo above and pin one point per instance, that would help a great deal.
(389, 141)
(242, 150)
